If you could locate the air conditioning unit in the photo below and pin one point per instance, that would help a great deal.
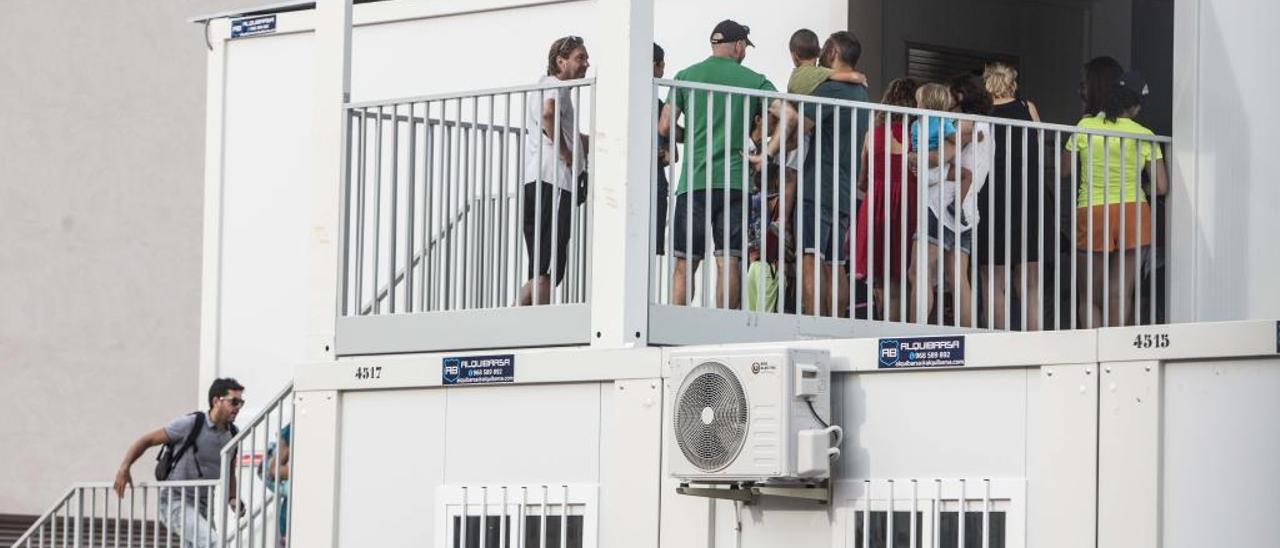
(751, 415)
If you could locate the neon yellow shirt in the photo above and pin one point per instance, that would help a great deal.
(1107, 177)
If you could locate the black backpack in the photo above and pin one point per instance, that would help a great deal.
(171, 453)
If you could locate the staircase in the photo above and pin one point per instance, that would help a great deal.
(92, 515)
(12, 526)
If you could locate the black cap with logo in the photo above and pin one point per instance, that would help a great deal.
(729, 31)
(1134, 81)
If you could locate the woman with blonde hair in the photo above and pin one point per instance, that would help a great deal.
(1009, 236)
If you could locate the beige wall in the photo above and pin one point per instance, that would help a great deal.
(101, 178)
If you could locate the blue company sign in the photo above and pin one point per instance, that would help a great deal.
(250, 26)
(922, 352)
(479, 369)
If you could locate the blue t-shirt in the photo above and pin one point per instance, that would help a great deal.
(939, 129)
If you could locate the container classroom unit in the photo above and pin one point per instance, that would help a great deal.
(1162, 435)
(1145, 436)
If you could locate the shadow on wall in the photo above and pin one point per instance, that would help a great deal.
(1222, 189)
(849, 400)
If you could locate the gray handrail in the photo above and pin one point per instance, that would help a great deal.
(905, 110)
(475, 93)
(271, 405)
(44, 518)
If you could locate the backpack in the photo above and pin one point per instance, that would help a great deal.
(171, 453)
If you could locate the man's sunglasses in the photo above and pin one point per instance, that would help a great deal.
(235, 402)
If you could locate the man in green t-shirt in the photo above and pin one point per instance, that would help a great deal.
(712, 177)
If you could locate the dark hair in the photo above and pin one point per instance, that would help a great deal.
(843, 44)
(1119, 101)
(562, 48)
(804, 44)
(1101, 75)
(901, 92)
(659, 56)
(970, 93)
(221, 387)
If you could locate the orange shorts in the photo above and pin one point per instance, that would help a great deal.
(1126, 226)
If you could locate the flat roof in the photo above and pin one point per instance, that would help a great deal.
(277, 7)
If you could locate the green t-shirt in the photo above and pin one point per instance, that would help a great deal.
(705, 166)
(806, 78)
(835, 141)
(1105, 174)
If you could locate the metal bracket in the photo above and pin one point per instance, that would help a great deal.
(748, 493)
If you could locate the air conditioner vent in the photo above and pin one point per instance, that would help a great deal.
(711, 417)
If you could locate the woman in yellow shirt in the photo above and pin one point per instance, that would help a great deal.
(1113, 215)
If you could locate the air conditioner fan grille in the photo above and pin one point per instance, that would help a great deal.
(711, 417)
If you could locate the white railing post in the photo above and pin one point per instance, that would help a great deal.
(620, 174)
(333, 91)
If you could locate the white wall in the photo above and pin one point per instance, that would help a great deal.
(265, 212)
(1206, 465)
(262, 302)
(403, 58)
(399, 446)
(1226, 260)
(101, 149)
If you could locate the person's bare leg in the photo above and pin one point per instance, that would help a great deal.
(543, 291)
(893, 300)
(735, 282)
(680, 282)
(807, 297)
(963, 299)
(1032, 294)
(539, 288)
(828, 286)
(917, 285)
(841, 286)
(993, 279)
(1091, 308)
(1118, 295)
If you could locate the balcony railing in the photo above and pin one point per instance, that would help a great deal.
(441, 223)
(1061, 226)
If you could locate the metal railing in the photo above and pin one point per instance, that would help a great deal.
(1059, 226)
(187, 513)
(261, 455)
(932, 512)
(439, 214)
(173, 513)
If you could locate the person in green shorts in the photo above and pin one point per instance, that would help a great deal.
(710, 191)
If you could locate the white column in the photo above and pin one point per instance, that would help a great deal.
(624, 106)
(211, 271)
(333, 90)
(1129, 455)
(314, 521)
(631, 466)
(1185, 223)
(316, 440)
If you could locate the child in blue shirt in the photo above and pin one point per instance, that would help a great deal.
(934, 97)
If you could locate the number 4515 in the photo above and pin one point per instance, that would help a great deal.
(1151, 340)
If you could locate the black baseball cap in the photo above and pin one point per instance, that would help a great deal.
(730, 31)
(1134, 81)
